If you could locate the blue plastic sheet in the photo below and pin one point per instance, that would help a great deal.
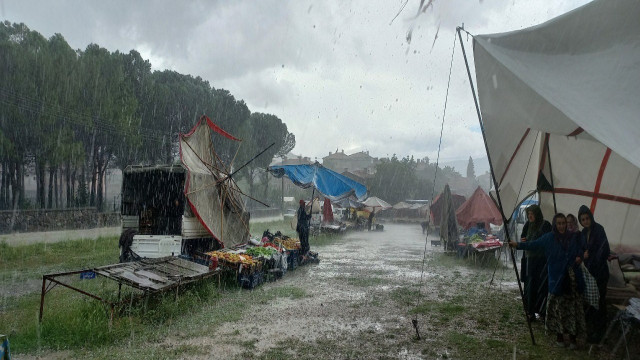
(329, 183)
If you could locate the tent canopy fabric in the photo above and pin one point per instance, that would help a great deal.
(329, 183)
(349, 203)
(448, 224)
(562, 98)
(375, 204)
(437, 208)
(401, 205)
(327, 211)
(205, 196)
(479, 208)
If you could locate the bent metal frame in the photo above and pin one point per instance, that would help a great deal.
(151, 276)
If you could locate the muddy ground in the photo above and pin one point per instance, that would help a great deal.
(359, 303)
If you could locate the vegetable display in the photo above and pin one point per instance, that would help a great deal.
(261, 251)
(231, 258)
(289, 244)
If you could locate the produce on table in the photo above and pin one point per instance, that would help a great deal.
(224, 256)
(261, 251)
(289, 244)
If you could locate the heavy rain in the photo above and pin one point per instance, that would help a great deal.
(409, 179)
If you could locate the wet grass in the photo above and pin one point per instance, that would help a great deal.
(460, 317)
(28, 262)
(82, 325)
(73, 322)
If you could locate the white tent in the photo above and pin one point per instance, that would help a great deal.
(563, 98)
(374, 203)
(401, 205)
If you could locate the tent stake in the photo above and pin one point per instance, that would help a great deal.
(495, 183)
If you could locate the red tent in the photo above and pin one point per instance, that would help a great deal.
(437, 207)
(479, 208)
(327, 211)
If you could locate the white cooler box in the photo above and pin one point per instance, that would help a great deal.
(155, 246)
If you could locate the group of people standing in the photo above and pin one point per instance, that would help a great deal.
(552, 273)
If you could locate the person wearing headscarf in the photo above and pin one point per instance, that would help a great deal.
(572, 224)
(596, 254)
(534, 264)
(563, 252)
(302, 228)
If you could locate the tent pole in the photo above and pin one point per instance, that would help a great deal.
(495, 183)
(553, 187)
(313, 193)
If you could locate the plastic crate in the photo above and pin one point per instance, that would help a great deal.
(250, 281)
(292, 259)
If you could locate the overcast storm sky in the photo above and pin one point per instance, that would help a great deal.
(340, 74)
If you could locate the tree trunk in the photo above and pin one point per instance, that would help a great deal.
(74, 193)
(94, 178)
(52, 171)
(69, 192)
(20, 171)
(250, 180)
(14, 185)
(40, 181)
(92, 162)
(82, 187)
(56, 189)
(3, 182)
(100, 183)
(266, 186)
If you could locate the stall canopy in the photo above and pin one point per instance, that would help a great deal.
(328, 182)
(448, 223)
(327, 211)
(437, 208)
(349, 203)
(376, 204)
(212, 195)
(561, 98)
(479, 208)
(401, 205)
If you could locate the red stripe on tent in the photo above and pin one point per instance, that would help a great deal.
(513, 156)
(590, 194)
(576, 132)
(603, 166)
(217, 129)
(187, 185)
(544, 153)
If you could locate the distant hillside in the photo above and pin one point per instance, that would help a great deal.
(481, 165)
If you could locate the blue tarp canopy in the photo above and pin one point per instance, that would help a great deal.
(328, 182)
(350, 203)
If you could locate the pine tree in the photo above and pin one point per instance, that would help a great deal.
(471, 173)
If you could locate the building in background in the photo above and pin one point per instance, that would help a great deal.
(360, 163)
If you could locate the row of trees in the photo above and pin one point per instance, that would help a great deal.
(68, 115)
(397, 179)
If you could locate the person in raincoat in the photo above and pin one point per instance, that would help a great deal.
(370, 219)
(596, 255)
(563, 252)
(303, 228)
(572, 224)
(533, 265)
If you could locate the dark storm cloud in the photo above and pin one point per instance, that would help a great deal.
(340, 74)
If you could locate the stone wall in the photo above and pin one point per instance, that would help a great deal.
(51, 220)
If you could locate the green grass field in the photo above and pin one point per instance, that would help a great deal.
(80, 324)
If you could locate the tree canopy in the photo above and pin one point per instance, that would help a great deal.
(68, 115)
